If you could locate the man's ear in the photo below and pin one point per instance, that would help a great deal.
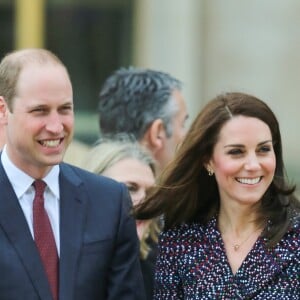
(155, 136)
(3, 110)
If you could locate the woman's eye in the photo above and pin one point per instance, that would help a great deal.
(132, 188)
(235, 151)
(265, 149)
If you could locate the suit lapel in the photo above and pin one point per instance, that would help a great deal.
(72, 217)
(13, 222)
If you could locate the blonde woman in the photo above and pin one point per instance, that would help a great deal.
(125, 161)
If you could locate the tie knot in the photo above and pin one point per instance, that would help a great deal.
(39, 186)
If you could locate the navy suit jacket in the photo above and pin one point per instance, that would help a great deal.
(98, 243)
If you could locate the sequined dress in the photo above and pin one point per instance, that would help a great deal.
(192, 264)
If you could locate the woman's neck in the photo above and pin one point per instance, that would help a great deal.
(237, 222)
(239, 230)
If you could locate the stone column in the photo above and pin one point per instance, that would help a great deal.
(29, 23)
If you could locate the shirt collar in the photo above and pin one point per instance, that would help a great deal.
(21, 181)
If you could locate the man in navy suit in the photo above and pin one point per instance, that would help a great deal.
(93, 234)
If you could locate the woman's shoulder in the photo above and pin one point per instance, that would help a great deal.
(295, 222)
(291, 240)
(184, 233)
(193, 239)
(184, 229)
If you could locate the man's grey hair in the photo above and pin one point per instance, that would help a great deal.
(132, 98)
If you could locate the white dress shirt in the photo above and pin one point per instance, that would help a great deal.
(22, 185)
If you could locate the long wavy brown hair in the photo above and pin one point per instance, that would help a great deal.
(186, 193)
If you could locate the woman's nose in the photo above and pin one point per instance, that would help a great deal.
(252, 162)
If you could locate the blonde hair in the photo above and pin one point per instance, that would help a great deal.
(107, 152)
(151, 232)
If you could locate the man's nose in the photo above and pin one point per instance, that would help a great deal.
(54, 123)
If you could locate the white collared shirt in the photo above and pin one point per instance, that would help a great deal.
(22, 185)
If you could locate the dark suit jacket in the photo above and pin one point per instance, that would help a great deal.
(98, 243)
(148, 269)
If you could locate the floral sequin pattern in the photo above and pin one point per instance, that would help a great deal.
(192, 264)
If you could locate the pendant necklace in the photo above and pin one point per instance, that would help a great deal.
(236, 246)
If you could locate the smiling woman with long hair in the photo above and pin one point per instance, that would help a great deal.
(231, 222)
